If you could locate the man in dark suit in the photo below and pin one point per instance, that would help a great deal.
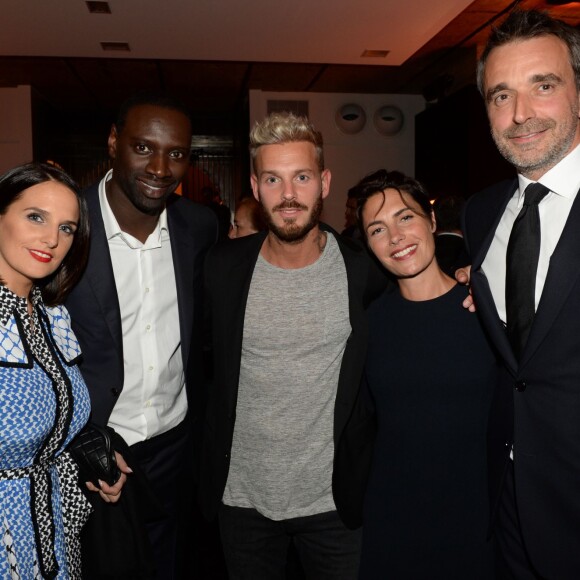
(288, 434)
(529, 75)
(136, 310)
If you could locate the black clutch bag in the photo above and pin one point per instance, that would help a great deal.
(94, 454)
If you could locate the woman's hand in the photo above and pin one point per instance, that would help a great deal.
(112, 493)
(463, 275)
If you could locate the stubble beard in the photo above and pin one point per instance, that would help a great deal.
(127, 182)
(540, 163)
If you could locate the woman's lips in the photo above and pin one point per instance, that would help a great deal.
(40, 256)
(404, 253)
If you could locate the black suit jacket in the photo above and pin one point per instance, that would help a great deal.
(537, 402)
(94, 305)
(450, 252)
(229, 270)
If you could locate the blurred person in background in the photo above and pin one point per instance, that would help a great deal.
(248, 218)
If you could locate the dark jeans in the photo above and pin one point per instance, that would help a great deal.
(256, 547)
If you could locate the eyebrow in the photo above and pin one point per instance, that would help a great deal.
(491, 92)
(396, 214)
(552, 77)
(277, 173)
(45, 213)
(150, 142)
(537, 78)
(374, 223)
(39, 210)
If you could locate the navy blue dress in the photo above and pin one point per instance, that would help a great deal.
(431, 373)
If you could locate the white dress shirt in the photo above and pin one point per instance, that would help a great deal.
(153, 399)
(563, 181)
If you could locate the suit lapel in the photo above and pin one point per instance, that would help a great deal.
(99, 272)
(234, 299)
(562, 274)
(348, 384)
(490, 319)
(485, 304)
(183, 254)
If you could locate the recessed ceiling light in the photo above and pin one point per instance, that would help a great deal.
(119, 46)
(375, 53)
(98, 7)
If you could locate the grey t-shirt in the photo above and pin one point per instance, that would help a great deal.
(295, 331)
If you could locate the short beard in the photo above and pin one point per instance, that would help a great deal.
(290, 232)
(550, 158)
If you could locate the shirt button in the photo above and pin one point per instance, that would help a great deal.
(520, 386)
(148, 404)
(146, 290)
(151, 368)
(148, 327)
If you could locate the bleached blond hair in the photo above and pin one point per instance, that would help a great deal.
(279, 128)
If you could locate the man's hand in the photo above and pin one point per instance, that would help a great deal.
(463, 275)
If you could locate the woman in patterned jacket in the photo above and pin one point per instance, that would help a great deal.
(44, 402)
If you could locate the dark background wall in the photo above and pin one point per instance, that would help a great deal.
(454, 151)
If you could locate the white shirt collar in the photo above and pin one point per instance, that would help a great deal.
(563, 179)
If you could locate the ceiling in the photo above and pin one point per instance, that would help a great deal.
(212, 53)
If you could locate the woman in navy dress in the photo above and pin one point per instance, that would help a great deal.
(430, 373)
(44, 401)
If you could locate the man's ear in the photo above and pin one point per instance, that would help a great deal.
(325, 178)
(254, 183)
(112, 142)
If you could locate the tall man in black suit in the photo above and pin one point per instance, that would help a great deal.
(529, 76)
(136, 310)
(287, 435)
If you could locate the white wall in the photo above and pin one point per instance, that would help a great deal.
(15, 127)
(351, 157)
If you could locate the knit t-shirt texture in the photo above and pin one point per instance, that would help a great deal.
(295, 331)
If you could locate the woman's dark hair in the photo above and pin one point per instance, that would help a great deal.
(381, 180)
(13, 183)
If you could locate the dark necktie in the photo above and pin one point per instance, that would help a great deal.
(522, 256)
